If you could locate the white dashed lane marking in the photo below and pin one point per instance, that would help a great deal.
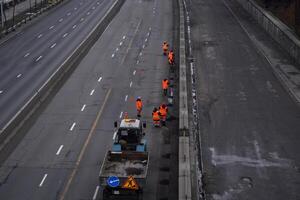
(19, 75)
(26, 55)
(75, 8)
(113, 55)
(87, 13)
(83, 107)
(74, 26)
(126, 97)
(93, 8)
(130, 84)
(134, 72)
(124, 37)
(99, 79)
(121, 114)
(39, 58)
(92, 92)
(72, 127)
(121, 43)
(61, 19)
(117, 49)
(81, 19)
(65, 35)
(141, 54)
(69, 14)
(40, 35)
(51, 27)
(53, 45)
(1, 91)
(59, 150)
(43, 180)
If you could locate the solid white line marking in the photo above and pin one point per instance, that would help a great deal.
(40, 35)
(61, 19)
(39, 58)
(19, 75)
(99, 79)
(26, 55)
(121, 114)
(44, 178)
(124, 37)
(65, 35)
(92, 92)
(59, 150)
(51, 27)
(126, 97)
(53, 45)
(72, 127)
(96, 192)
(83, 107)
(134, 72)
(81, 19)
(121, 43)
(113, 55)
(130, 84)
(69, 14)
(74, 26)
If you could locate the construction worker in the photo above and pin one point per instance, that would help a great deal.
(156, 117)
(139, 106)
(165, 86)
(163, 110)
(165, 48)
(171, 57)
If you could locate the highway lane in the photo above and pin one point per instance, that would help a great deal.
(125, 63)
(28, 59)
(249, 123)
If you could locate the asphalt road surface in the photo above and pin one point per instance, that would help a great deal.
(249, 124)
(61, 153)
(29, 58)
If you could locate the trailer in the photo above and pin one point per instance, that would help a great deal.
(123, 175)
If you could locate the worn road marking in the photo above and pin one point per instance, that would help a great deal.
(72, 127)
(126, 97)
(92, 92)
(39, 58)
(69, 14)
(43, 180)
(83, 107)
(96, 192)
(53, 45)
(75, 8)
(75, 169)
(59, 150)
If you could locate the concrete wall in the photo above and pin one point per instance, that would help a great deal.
(278, 31)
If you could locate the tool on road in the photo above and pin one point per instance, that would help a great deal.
(165, 86)
(165, 48)
(139, 106)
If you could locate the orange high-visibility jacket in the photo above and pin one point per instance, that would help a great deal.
(155, 116)
(165, 84)
(139, 105)
(163, 111)
(171, 56)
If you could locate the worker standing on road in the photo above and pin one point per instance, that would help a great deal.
(156, 117)
(171, 57)
(165, 48)
(163, 110)
(139, 106)
(165, 86)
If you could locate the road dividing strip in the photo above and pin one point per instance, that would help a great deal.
(184, 171)
(83, 149)
(43, 180)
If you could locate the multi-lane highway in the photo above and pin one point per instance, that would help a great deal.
(29, 58)
(249, 122)
(62, 151)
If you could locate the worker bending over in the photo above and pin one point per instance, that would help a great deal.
(171, 57)
(156, 117)
(165, 48)
(163, 110)
(165, 86)
(139, 106)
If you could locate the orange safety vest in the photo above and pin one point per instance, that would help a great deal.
(165, 84)
(163, 111)
(171, 56)
(155, 116)
(139, 105)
